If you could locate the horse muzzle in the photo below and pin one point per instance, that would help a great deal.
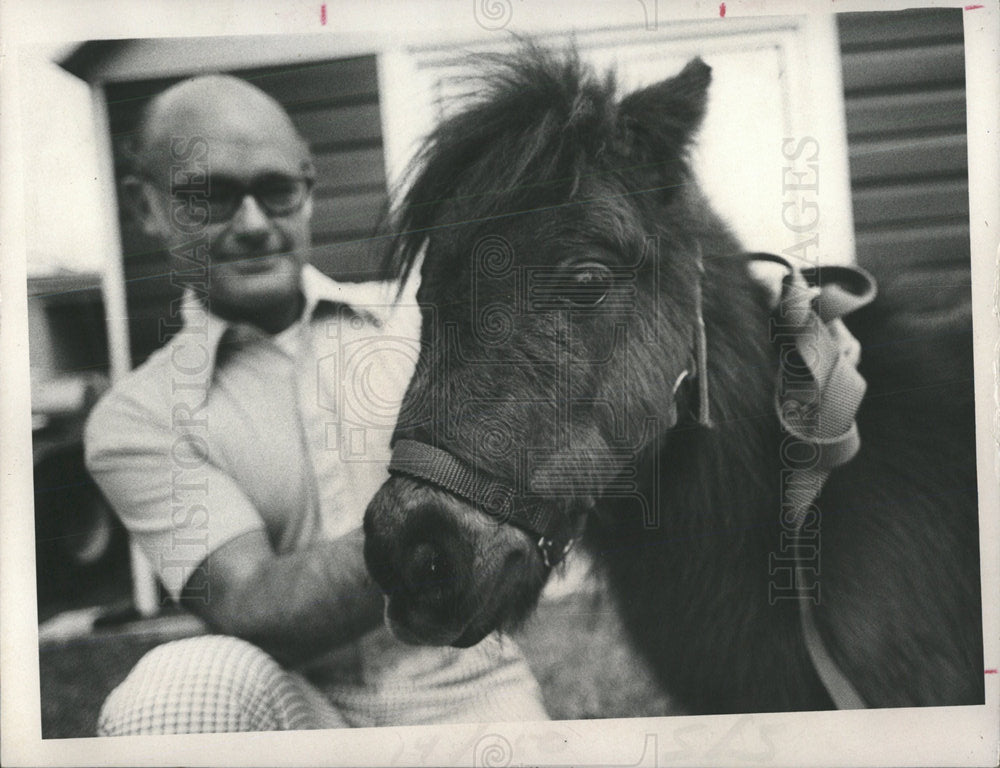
(450, 573)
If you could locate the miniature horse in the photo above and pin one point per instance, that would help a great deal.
(569, 264)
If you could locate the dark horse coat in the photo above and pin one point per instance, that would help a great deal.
(551, 175)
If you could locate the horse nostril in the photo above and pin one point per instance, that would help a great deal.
(434, 553)
(428, 567)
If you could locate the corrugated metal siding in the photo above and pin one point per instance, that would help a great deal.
(904, 89)
(335, 107)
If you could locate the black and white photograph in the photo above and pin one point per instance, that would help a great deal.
(500, 383)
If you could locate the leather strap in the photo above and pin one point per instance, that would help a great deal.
(495, 498)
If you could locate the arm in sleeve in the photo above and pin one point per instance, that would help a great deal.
(209, 547)
(174, 503)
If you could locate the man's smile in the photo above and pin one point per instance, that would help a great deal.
(255, 264)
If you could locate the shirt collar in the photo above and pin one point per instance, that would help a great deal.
(373, 301)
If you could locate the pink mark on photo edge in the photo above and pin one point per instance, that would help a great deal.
(989, 671)
(322, 14)
(973, 8)
(722, 10)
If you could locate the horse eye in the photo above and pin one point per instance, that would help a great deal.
(587, 283)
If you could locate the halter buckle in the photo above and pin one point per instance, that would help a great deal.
(545, 547)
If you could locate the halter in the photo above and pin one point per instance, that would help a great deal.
(821, 414)
(494, 497)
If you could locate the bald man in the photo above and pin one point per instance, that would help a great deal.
(241, 459)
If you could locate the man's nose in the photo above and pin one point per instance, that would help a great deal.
(250, 220)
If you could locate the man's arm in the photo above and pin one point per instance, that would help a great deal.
(208, 545)
(294, 606)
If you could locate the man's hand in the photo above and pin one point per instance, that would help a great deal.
(293, 606)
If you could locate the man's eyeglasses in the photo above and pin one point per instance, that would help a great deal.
(218, 199)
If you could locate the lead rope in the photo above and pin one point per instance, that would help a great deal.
(821, 413)
(818, 409)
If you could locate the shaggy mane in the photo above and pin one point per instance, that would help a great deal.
(530, 137)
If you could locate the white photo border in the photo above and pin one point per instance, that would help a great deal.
(932, 736)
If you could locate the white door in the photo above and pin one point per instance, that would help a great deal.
(771, 155)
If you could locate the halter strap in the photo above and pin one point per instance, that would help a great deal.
(701, 348)
(495, 498)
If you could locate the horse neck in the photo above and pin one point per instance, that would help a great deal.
(729, 473)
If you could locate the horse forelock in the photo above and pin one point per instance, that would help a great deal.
(544, 133)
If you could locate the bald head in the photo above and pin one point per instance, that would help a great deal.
(220, 163)
(217, 108)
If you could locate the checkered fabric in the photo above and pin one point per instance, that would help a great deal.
(214, 684)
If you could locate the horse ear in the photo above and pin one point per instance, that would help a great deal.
(666, 115)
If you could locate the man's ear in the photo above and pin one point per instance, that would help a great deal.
(309, 172)
(308, 168)
(662, 118)
(137, 199)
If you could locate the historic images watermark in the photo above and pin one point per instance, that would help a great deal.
(364, 363)
(795, 568)
(190, 364)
